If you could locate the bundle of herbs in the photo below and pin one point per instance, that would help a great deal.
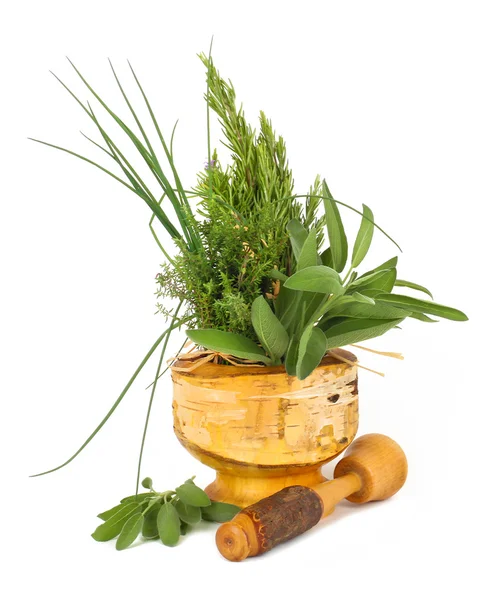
(260, 273)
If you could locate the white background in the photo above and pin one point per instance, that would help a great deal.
(394, 103)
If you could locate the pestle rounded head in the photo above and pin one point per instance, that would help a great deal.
(232, 542)
(379, 462)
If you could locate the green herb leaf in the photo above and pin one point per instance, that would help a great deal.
(413, 286)
(312, 347)
(228, 343)
(389, 264)
(315, 279)
(147, 483)
(130, 531)
(191, 494)
(268, 328)
(219, 512)
(360, 310)
(364, 237)
(381, 280)
(297, 235)
(168, 524)
(113, 526)
(337, 237)
(421, 317)
(184, 528)
(286, 306)
(291, 356)
(423, 306)
(138, 497)
(308, 256)
(150, 528)
(188, 513)
(326, 258)
(362, 299)
(109, 513)
(352, 331)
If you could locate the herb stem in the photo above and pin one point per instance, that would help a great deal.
(152, 395)
(114, 406)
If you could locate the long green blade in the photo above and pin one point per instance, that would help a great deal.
(338, 243)
(364, 237)
(114, 406)
(350, 208)
(152, 394)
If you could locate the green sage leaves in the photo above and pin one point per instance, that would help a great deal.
(315, 279)
(337, 236)
(168, 524)
(191, 494)
(225, 342)
(364, 237)
(269, 329)
(167, 515)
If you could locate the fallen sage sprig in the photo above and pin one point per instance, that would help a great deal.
(165, 515)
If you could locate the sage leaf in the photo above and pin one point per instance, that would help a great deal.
(297, 236)
(352, 331)
(389, 264)
(421, 317)
(150, 528)
(138, 497)
(188, 513)
(312, 347)
(191, 494)
(338, 243)
(113, 526)
(413, 286)
(308, 256)
(363, 299)
(423, 306)
(286, 306)
(130, 531)
(228, 343)
(315, 279)
(291, 356)
(184, 528)
(168, 524)
(374, 292)
(219, 512)
(108, 513)
(314, 302)
(381, 280)
(379, 310)
(147, 483)
(268, 328)
(326, 258)
(364, 237)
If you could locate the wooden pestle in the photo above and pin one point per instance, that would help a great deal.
(373, 468)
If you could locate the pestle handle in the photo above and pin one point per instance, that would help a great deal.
(374, 468)
(269, 522)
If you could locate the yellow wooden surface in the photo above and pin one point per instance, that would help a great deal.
(260, 423)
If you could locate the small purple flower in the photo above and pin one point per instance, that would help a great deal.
(210, 164)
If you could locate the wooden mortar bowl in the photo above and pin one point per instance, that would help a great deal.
(261, 429)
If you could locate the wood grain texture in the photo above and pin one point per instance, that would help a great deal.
(269, 522)
(261, 429)
(284, 515)
(374, 468)
(379, 463)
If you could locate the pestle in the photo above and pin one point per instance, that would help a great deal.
(373, 468)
